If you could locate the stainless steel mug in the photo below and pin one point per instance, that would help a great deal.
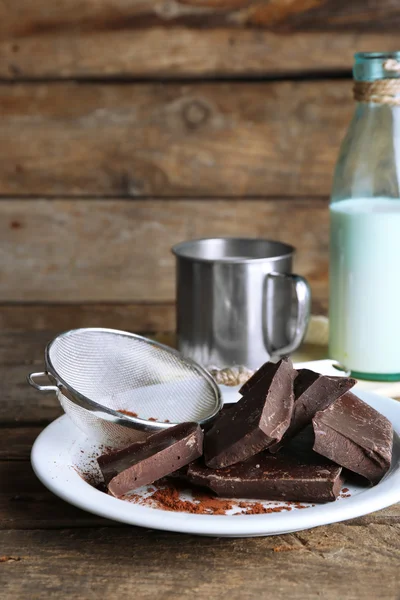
(238, 302)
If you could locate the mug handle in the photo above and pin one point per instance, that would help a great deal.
(303, 295)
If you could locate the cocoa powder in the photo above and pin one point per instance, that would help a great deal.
(168, 498)
(345, 493)
(256, 508)
(128, 413)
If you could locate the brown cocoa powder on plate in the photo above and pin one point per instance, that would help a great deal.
(256, 508)
(168, 498)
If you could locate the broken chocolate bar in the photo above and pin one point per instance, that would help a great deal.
(144, 462)
(312, 392)
(264, 371)
(296, 473)
(355, 436)
(257, 421)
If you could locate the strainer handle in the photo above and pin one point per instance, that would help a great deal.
(37, 386)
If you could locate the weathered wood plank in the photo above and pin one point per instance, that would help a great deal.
(196, 38)
(27, 347)
(189, 140)
(43, 510)
(22, 18)
(119, 251)
(20, 348)
(181, 52)
(334, 561)
(22, 404)
(26, 504)
(17, 348)
(61, 317)
(16, 442)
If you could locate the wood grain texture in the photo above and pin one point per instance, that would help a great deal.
(26, 348)
(23, 348)
(22, 18)
(189, 140)
(72, 38)
(181, 52)
(332, 561)
(16, 443)
(139, 318)
(119, 251)
(26, 504)
(20, 403)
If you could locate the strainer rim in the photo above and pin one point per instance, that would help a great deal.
(121, 418)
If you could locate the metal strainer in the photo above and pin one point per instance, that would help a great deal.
(97, 373)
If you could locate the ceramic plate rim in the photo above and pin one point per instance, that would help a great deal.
(60, 477)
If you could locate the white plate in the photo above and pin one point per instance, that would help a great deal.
(60, 449)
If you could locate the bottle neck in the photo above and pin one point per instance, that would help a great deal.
(374, 66)
(377, 78)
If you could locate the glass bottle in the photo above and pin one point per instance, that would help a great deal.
(364, 300)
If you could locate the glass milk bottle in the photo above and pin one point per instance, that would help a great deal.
(364, 302)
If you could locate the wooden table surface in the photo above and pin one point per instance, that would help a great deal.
(49, 549)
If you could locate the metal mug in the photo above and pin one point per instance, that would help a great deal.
(238, 302)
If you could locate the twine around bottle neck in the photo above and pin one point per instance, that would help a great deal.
(380, 91)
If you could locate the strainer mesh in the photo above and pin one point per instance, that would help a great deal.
(129, 373)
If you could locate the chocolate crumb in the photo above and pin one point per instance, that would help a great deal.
(4, 559)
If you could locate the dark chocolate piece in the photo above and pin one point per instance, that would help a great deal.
(144, 462)
(312, 392)
(355, 436)
(257, 420)
(294, 474)
(264, 371)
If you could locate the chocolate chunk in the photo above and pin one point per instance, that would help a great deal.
(226, 407)
(355, 436)
(264, 371)
(312, 392)
(257, 420)
(144, 462)
(294, 474)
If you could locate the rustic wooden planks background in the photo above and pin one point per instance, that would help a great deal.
(129, 126)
